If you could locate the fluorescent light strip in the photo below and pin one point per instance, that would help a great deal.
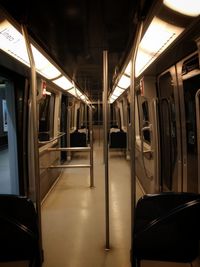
(186, 7)
(43, 66)
(124, 82)
(118, 91)
(78, 93)
(72, 91)
(112, 99)
(63, 82)
(12, 42)
(157, 38)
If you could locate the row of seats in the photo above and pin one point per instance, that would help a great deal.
(166, 228)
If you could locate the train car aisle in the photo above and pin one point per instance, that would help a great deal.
(73, 216)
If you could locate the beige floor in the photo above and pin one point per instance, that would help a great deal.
(73, 221)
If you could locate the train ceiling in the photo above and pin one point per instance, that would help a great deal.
(75, 33)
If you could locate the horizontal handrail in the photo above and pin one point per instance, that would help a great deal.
(71, 166)
(53, 139)
(69, 149)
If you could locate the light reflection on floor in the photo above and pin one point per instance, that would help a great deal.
(73, 221)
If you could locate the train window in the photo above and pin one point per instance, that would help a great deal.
(145, 110)
(190, 65)
(46, 117)
(121, 115)
(144, 118)
(168, 131)
(4, 124)
(9, 152)
(118, 117)
(146, 133)
(97, 113)
(125, 115)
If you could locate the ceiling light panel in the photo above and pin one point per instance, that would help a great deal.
(118, 91)
(12, 42)
(124, 82)
(186, 7)
(43, 66)
(63, 82)
(157, 38)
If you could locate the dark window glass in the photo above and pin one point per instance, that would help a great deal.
(46, 115)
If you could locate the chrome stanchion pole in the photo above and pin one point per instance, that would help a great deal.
(91, 148)
(33, 88)
(132, 128)
(68, 132)
(105, 96)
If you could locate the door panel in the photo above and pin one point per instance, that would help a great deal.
(179, 139)
(9, 181)
(170, 171)
(190, 88)
(189, 83)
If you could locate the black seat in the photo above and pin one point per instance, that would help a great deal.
(118, 139)
(78, 139)
(18, 230)
(166, 228)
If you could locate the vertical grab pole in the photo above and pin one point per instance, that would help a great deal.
(104, 134)
(132, 127)
(105, 96)
(91, 149)
(68, 132)
(198, 130)
(35, 135)
(98, 107)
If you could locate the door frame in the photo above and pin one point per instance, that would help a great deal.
(173, 73)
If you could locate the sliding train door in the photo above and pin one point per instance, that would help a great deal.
(147, 139)
(179, 120)
(189, 86)
(13, 173)
(170, 135)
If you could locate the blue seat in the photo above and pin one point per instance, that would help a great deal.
(167, 228)
(18, 230)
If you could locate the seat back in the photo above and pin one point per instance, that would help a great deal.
(167, 227)
(18, 229)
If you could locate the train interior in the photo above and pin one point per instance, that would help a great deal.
(100, 134)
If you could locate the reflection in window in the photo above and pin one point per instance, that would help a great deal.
(46, 115)
(3, 120)
(146, 133)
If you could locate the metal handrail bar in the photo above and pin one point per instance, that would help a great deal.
(82, 149)
(105, 108)
(33, 88)
(53, 139)
(91, 149)
(69, 149)
(71, 166)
